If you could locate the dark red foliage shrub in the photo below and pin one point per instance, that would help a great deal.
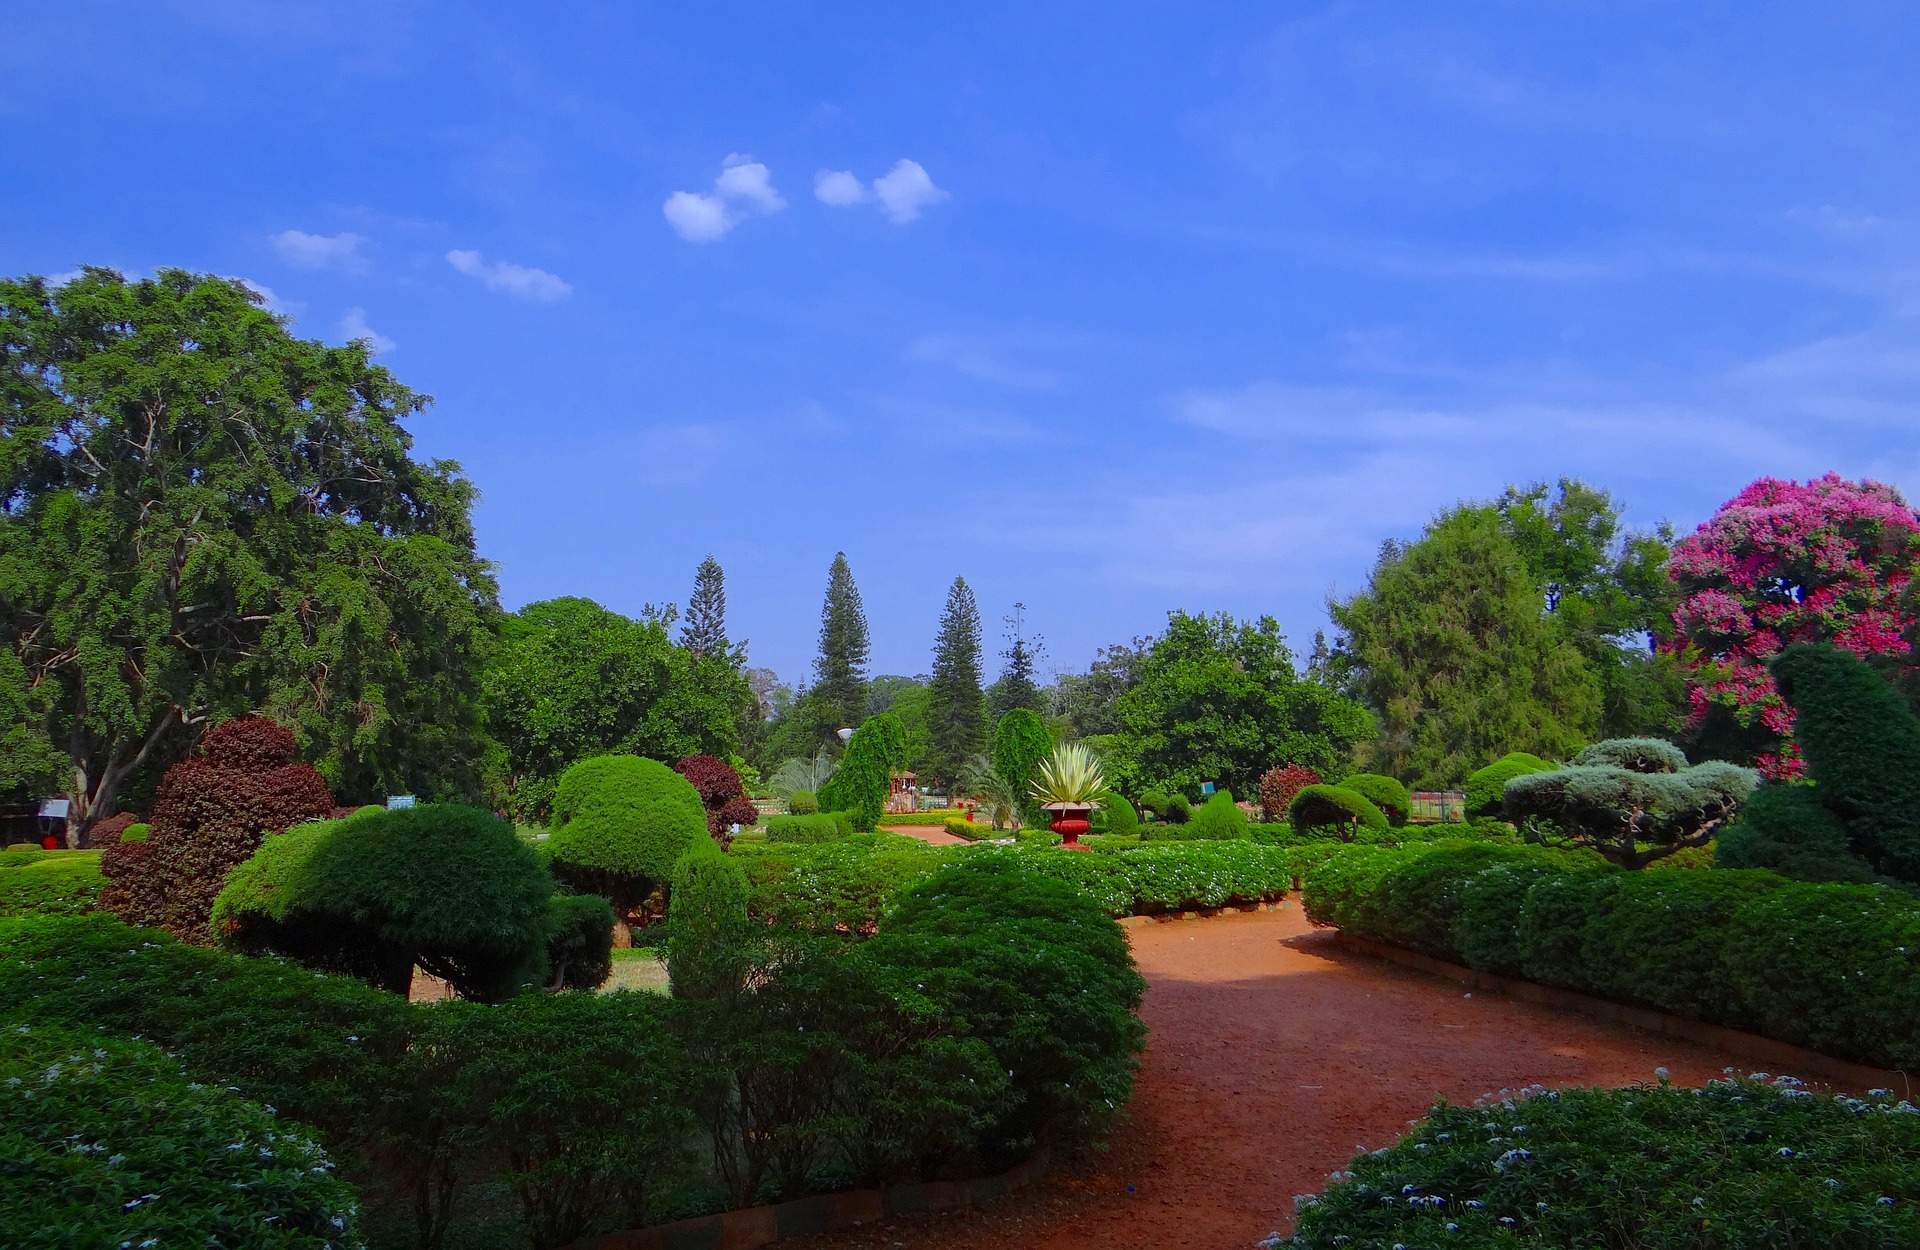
(740, 811)
(713, 778)
(105, 833)
(1278, 786)
(210, 813)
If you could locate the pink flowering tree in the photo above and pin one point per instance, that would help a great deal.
(1824, 561)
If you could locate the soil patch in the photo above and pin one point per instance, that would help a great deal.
(1273, 1055)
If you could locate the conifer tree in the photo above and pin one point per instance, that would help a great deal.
(705, 633)
(839, 690)
(1016, 687)
(957, 707)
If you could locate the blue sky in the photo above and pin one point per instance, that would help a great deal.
(1170, 306)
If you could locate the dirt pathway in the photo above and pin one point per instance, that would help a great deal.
(1273, 1056)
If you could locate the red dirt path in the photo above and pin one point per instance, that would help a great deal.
(1272, 1055)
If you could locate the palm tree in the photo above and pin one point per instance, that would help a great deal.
(802, 774)
(990, 790)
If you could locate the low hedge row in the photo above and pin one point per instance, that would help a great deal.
(1739, 1163)
(49, 883)
(1832, 967)
(809, 830)
(932, 816)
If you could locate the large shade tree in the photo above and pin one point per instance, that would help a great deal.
(1451, 646)
(202, 516)
(1782, 562)
(571, 679)
(1215, 699)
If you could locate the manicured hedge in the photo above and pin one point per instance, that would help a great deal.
(807, 830)
(932, 816)
(1737, 1164)
(1832, 967)
(105, 1142)
(49, 883)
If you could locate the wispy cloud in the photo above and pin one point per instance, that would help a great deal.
(977, 360)
(744, 188)
(354, 328)
(318, 251)
(516, 280)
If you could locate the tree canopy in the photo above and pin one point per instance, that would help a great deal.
(202, 516)
(571, 679)
(1215, 699)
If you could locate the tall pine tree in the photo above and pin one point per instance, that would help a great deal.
(839, 692)
(957, 707)
(705, 633)
(1016, 687)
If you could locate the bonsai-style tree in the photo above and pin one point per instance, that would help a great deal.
(861, 784)
(1783, 562)
(210, 813)
(1631, 800)
(1486, 788)
(619, 823)
(721, 793)
(1279, 785)
(447, 887)
(1336, 810)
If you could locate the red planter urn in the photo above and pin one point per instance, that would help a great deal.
(1070, 821)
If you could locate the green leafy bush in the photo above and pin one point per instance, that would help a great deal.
(1633, 800)
(1178, 810)
(579, 941)
(806, 830)
(1020, 742)
(1486, 788)
(1739, 1163)
(802, 803)
(961, 827)
(1384, 793)
(861, 784)
(1038, 836)
(1041, 975)
(1788, 829)
(840, 887)
(1334, 808)
(619, 823)
(447, 887)
(1155, 802)
(1219, 817)
(52, 883)
(707, 923)
(1115, 815)
(106, 1142)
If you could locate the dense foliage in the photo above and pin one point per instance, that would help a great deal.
(1825, 966)
(1739, 1163)
(1339, 811)
(570, 680)
(1451, 648)
(1632, 800)
(447, 887)
(721, 793)
(1020, 742)
(1215, 699)
(1383, 792)
(1828, 560)
(210, 814)
(202, 516)
(707, 921)
(956, 706)
(1486, 788)
(1279, 785)
(619, 823)
(106, 1143)
(860, 786)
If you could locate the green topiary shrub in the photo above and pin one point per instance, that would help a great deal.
(1115, 815)
(1384, 793)
(1038, 972)
(1215, 819)
(802, 803)
(619, 823)
(1862, 748)
(863, 781)
(709, 933)
(139, 831)
(1179, 810)
(1789, 830)
(1334, 810)
(820, 827)
(107, 1143)
(1154, 802)
(1486, 788)
(1736, 1164)
(1020, 742)
(579, 941)
(447, 887)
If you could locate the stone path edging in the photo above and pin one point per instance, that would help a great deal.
(759, 1226)
(1784, 1056)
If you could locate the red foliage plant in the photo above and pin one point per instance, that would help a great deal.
(1825, 561)
(718, 786)
(1279, 785)
(209, 814)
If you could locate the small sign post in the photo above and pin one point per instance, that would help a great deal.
(397, 802)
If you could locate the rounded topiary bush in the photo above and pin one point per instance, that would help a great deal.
(1334, 809)
(802, 803)
(619, 823)
(1155, 803)
(1115, 815)
(1217, 819)
(1384, 793)
(1486, 788)
(1788, 829)
(1179, 810)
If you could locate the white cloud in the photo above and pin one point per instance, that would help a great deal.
(501, 275)
(354, 326)
(906, 189)
(838, 187)
(317, 251)
(273, 303)
(744, 186)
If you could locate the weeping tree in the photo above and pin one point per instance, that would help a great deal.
(865, 777)
(1632, 800)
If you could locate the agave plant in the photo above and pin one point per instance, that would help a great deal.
(984, 784)
(1070, 775)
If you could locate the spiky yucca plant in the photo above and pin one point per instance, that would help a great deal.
(1070, 775)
